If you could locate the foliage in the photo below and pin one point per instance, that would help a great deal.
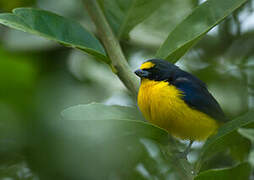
(125, 15)
(53, 27)
(105, 141)
(227, 173)
(199, 22)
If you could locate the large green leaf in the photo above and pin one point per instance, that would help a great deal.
(123, 15)
(99, 149)
(240, 172)
(97, 111)
(103, 129)
(53, 27)
(217, 143)
(195, 26)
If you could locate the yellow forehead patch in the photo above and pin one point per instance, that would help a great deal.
(147, 65)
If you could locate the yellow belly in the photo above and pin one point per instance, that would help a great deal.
(161, 104)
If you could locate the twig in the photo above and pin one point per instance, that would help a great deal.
(112, 47)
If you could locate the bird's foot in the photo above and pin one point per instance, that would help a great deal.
(183, 155)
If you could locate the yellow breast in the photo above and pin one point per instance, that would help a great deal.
(162, 105)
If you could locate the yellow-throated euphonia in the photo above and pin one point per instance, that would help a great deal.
(177, 101)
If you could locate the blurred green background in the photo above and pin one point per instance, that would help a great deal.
(39, 78)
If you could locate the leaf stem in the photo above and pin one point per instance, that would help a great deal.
(112, 46)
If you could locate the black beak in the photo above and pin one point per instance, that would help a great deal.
(141, 73)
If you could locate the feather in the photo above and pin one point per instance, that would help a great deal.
(196, 95)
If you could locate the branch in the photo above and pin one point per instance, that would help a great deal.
(112, 46)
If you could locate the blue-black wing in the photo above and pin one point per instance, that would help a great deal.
(196, 95)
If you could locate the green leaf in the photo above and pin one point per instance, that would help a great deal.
(195, 26)
(124, 15)
(238, 145)
(100, 149)
(240, 172)
(247, 132)
(107, 128)
(97, 111)
(219, 142)
(53, 27)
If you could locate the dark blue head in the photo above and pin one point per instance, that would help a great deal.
(157, 70)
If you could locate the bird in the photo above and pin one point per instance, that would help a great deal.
(177, 101)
